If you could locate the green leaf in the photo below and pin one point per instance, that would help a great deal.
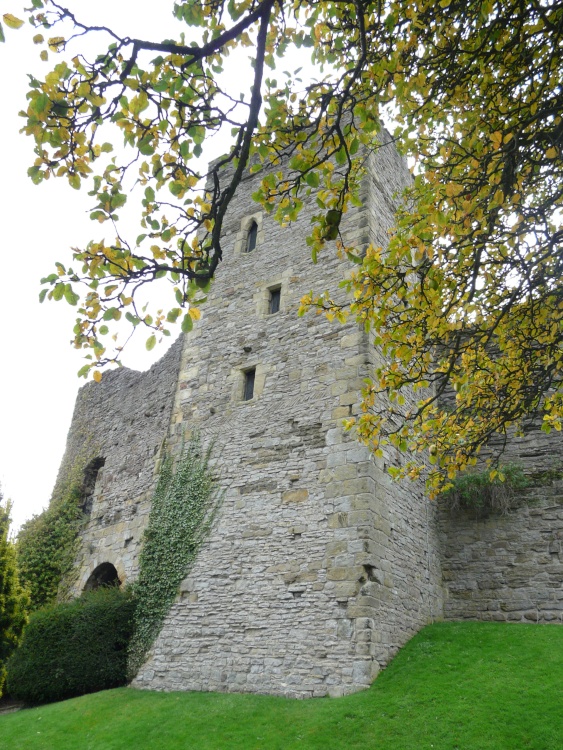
(36, 175)
(2, 37)
(74, 180)
(341, 157)
(145, 146)
(133, 319)
(118, 200)
(312, 179)
(333, 217)
(70, 296)
(58, 291)
(151, 343)
(40, 103)
(187, 323)
(173, 315)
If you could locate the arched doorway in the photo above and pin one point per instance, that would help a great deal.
(104, 575)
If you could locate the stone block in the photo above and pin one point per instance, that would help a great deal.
(352, 573)
(295, 496)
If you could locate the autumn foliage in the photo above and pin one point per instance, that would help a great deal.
(468, 294)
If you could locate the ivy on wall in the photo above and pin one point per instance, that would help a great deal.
(47, 544)
(183, 507)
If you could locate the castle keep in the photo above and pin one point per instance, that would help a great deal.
(318, 567)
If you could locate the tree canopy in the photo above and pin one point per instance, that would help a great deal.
(468, 294)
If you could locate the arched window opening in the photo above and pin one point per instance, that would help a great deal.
(91, 474)
(104, 575)
(251, 237)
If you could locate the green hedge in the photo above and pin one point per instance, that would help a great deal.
(73, 648)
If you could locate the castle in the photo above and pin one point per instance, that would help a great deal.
(318, 566)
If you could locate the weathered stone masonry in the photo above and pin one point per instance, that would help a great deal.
(123, 421)
(318, 567)
(510, 567)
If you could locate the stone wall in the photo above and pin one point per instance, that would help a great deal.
(123, 422)
(293, 591)
(318, 566)
(510, 567)
(507, 567)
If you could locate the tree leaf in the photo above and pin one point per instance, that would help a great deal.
(11, 21)
(187, 323)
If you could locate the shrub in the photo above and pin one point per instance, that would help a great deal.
(73, 648)
(476, 491)
(13, 599)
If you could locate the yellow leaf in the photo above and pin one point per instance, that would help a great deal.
(496, 138)
(195, 313)
(55, 42)
(97, 376)
(38, 39)
(453, 189)
(11, 21)
(551, 153)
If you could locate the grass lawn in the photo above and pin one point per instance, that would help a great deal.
(465, 686)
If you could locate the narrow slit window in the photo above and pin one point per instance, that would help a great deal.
(249, 378)
(275, 297)
(251, 237)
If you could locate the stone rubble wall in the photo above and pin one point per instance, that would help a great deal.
(124, 419)
(282, 598)
(510, 567)
(396, 559)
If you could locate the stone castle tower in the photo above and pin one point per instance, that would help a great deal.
(318, 567)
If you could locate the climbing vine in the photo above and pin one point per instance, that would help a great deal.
(47, 544)
(183, 507)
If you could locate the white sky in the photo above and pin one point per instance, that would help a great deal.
(38, 226)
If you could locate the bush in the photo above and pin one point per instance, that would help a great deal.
(47, 544)
(13, 599)
(73, 648)
(476, 491)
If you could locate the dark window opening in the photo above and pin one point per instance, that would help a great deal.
(251, 237)
(104, 575)
(275, 297)
(89, 483)
(249, 378)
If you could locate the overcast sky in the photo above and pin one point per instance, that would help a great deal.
(39, 225)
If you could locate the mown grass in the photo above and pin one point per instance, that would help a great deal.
(455, 686)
